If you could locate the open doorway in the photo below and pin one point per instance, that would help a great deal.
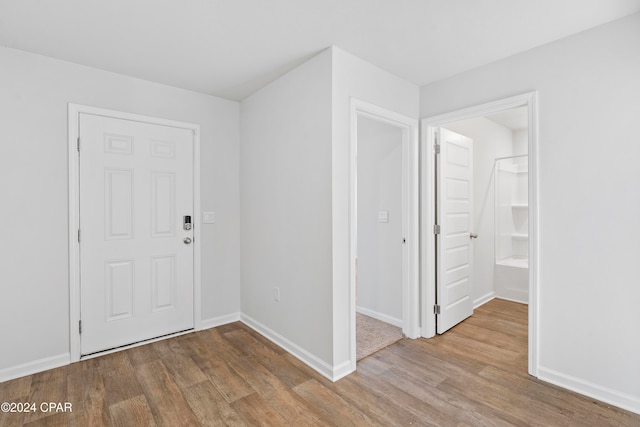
(499, 224)
(380, 236)
(479, 167)
(384, 238)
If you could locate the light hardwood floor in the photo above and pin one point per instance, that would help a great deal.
(473, 375)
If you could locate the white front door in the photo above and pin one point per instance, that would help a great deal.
(455, 217)
(136, 258)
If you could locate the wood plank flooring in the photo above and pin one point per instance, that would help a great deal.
(474, 375)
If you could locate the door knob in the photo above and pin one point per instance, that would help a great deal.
(187, 240)
(473, 236)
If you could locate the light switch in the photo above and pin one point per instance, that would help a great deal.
(383, 216)
(208, 217)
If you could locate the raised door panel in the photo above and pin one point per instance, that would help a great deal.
(119, 289)
(118, 204)
(163, 204)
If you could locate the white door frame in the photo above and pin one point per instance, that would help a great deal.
(74, 212)
(428, 126)
(410, 178)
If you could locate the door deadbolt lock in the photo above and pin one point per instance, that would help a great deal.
(186, 224)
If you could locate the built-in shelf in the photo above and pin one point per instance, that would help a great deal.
(513, 169)
(512, 212)
(514, 262)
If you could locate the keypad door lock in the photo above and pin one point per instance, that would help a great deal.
(187, 222)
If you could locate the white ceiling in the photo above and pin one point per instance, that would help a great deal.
(230, 48)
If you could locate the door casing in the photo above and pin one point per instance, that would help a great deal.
(410, 285)
(428, 208)
(74, 110)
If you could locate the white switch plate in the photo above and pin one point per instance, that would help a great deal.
(208, 217)
(383, 216)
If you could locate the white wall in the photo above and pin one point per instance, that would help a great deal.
(588, 209)
(34, 276)
(353, 77)
(520, 142)
(286, 210)
(490, 140)
(295, 202)
(379, 292)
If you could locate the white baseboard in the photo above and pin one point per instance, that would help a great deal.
(380, 316)
(484, 299)
(518, 300)
(342, 370)
(309, 359)
(34, 367)
(219, 321)
(604, 394)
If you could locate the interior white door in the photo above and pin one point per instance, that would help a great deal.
(136, 258)
(455, 216)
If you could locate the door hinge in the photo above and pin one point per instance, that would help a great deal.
(436, 143)
(436, 309)
(436, 229)
(78, 143)
(436, 148)
(79, 326)
(404, 240)
(78, 235)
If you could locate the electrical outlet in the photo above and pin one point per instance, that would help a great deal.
(276, 294)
